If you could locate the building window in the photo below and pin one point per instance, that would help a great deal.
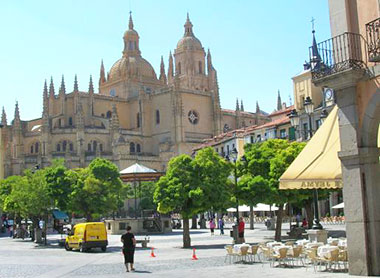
(283, 133)
(179, 68)
(71, 147)
(138, 119)
(130, 45)
(305, 131)
(36, 148)
(94, 146)
(109, 114)
(233, 146)
(89, 147)
(64, 144)
(135, 44)
(157, 116)
(259, 138)
(217, 150)
(228, 149)
(200, 67)
(193, 117)
(59, 123)
(132, 147)
(222, 150)
(292, 133)
(31, 149)
(58, 147)
(251, 139)
(138, 148)
(70, 121)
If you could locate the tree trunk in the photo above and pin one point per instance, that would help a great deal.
(194, 222)
(251, 218)
(186, 233)
(277, 236)
(88, 217)
(309, 213)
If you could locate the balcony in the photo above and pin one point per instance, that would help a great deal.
(373, 40)
(342, 53)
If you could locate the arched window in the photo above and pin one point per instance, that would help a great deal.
(64, 145)
(101, 147)
(59, 123)
(94, 146)
(138, 148)
(157, 116)
(58, 147)
(71, 147)
(200, 67)
(138, 119)
(36, 147)
(70, 121)
(179, 68)
(132, 147)
(31, 149)
(89, 147)
(130, 45)
(109, 114)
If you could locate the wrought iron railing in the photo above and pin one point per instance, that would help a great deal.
(340, 53)
(373, 40)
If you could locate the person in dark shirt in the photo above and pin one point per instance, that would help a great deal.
(129, 243)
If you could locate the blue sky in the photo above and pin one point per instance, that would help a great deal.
(256, 45)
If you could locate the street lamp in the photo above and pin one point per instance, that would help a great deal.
(234, 155)
(309, 109)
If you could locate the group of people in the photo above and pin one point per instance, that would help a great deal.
(212, 226)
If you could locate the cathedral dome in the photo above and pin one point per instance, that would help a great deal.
(129, 66)
(189, 43)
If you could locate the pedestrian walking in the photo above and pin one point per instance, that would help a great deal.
(221, 226)
(212, 226)
(129, 243)
(241, 229)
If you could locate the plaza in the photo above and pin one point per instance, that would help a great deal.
(20, 258)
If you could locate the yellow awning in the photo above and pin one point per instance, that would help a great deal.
(318, 165)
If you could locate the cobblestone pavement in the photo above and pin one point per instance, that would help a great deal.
(20, 258)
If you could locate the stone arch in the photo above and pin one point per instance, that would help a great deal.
(369, 153)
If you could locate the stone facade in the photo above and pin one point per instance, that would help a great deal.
(134, 116)
(358, 98)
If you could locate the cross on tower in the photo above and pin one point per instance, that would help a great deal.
(312, 23)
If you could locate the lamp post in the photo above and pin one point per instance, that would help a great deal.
(234, 155)
(309, 109)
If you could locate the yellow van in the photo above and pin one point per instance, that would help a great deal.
(85, 236)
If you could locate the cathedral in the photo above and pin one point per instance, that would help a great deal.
(135, 116)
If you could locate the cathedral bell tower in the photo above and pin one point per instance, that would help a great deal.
(190, 60)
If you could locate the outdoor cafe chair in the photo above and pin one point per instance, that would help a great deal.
(332, 259)
(343, 257)
(296, 255)
(267, 254)
(280, 257)
(253, 252)
(313, 258)
(243, 253)
(231, 255)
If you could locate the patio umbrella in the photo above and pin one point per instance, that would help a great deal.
(339, 206)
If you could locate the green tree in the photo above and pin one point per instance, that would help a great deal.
(97, 189)
(266, 162)
(58, 184)
(193, 186)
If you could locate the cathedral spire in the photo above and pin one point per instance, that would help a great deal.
(51, 88)
(102, 77)
(257, 108)
(209, 62)
(91, 86)
(45, 102)
(4, 118)
(279, 104)
(76, 84)
(62, 88)
(188, 27)
(170, 68)
(17, 114)
(162, 71)
(130, 24)
(45, 92)
(241, 105)
(237, 105)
